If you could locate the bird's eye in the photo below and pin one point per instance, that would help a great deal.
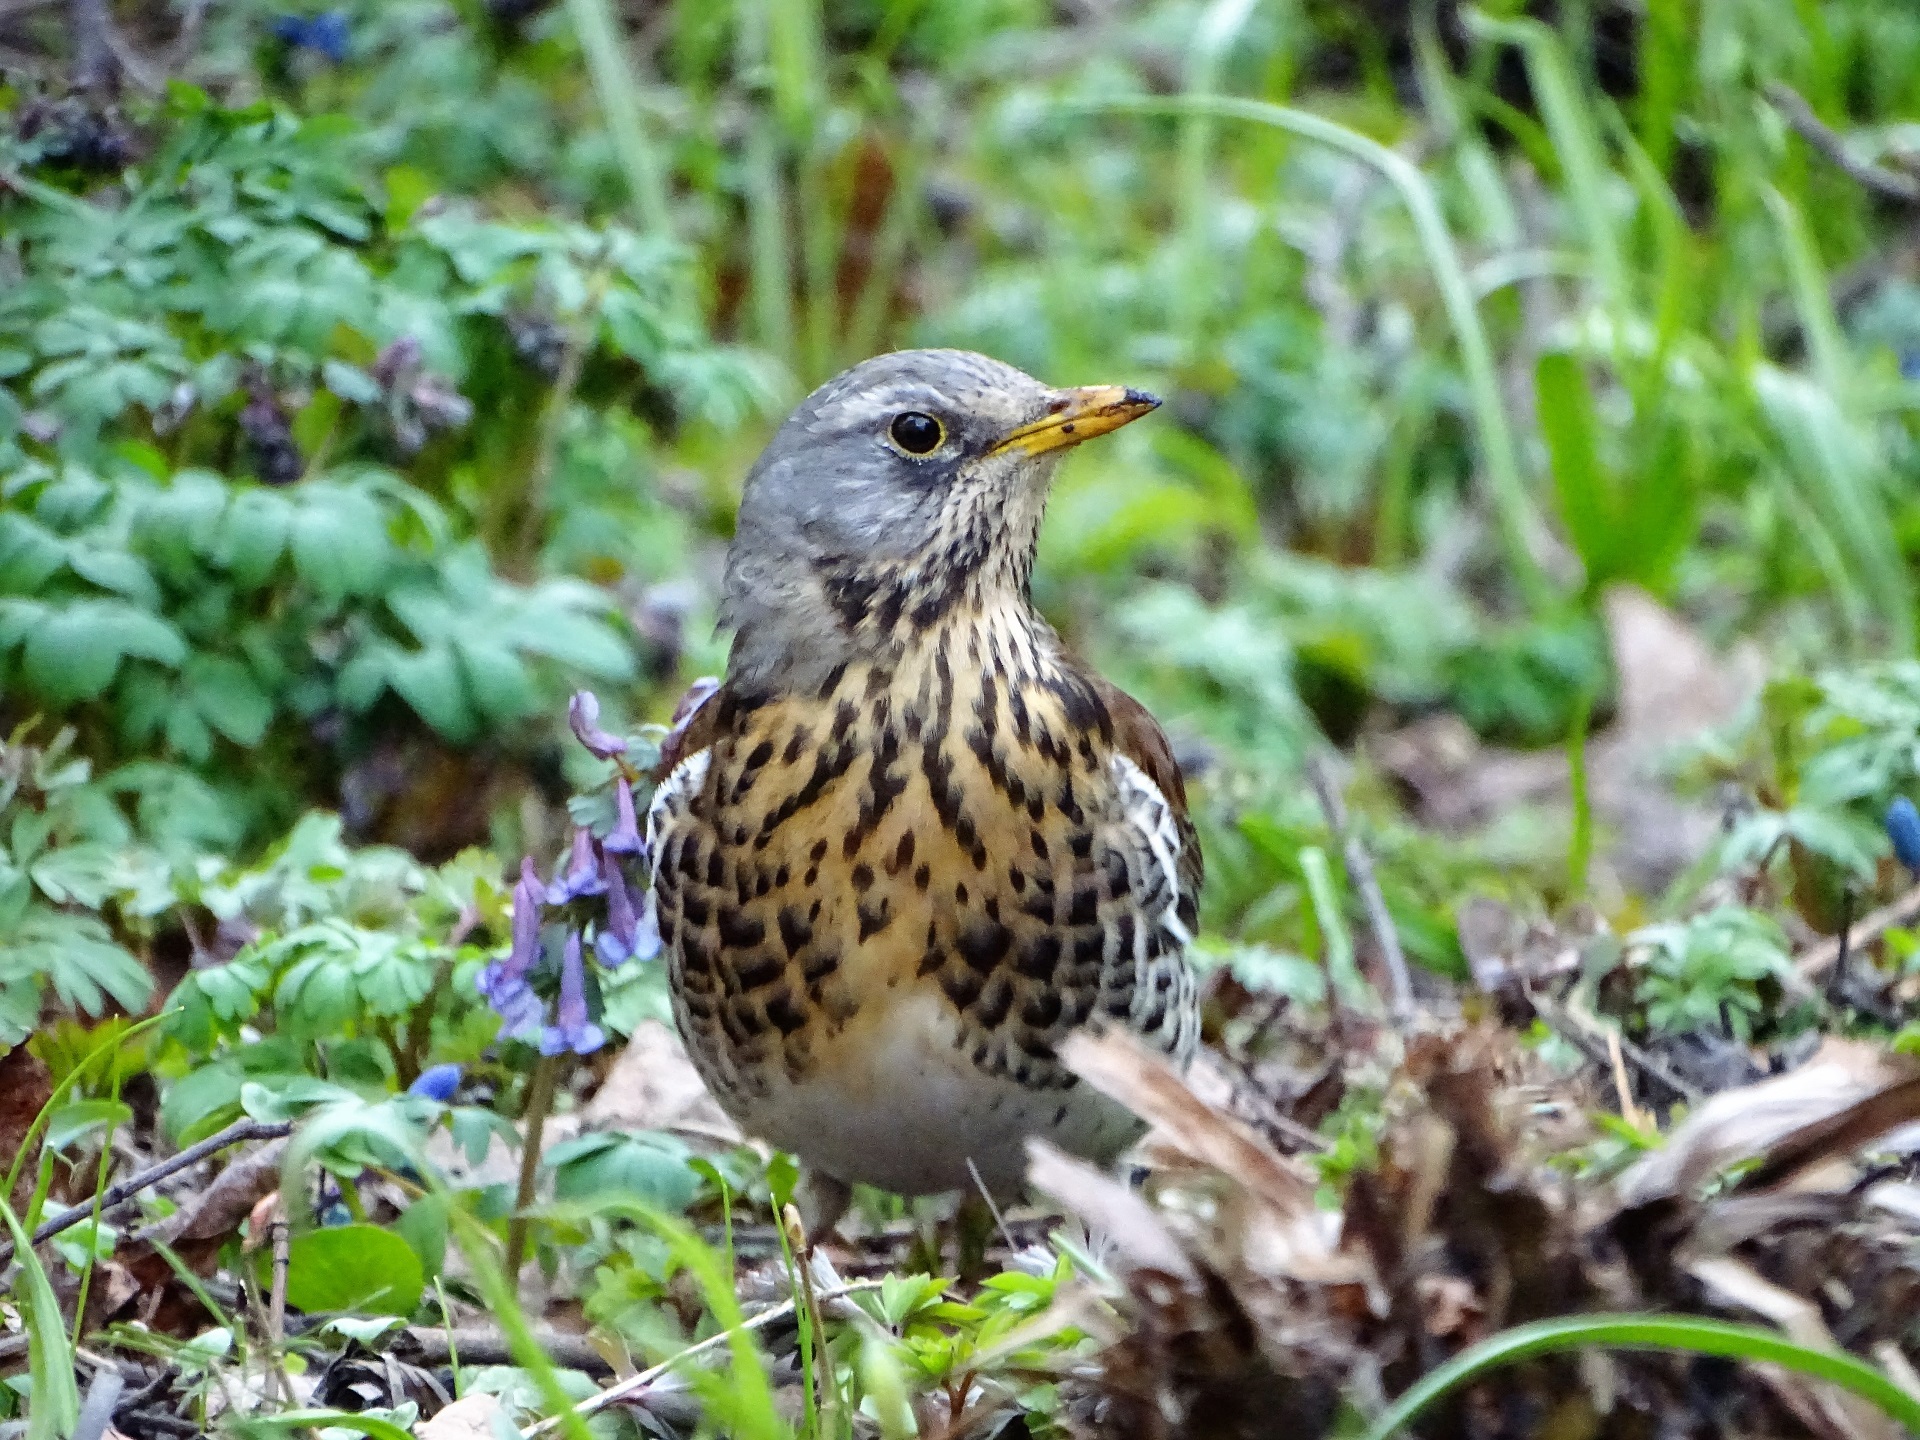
(917, 433)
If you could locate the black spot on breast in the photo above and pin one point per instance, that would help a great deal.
(1086, 906)
(961, 985)
(784, 1014)
(795, 932)
(863, 877)
(1042, 1010)
(716, 870)
(794, 746)
(1039, 957)
(819, 964)
(995, 1001)
(695, 907)
(874, 918)
(738, 931)
(750, 972)
(922, 878)
(902, 854)
(984, 944)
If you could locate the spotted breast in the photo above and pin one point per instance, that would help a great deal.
(886, 899)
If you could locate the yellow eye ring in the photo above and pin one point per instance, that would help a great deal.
(916, 432)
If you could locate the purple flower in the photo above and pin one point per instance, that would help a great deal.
(632, 929)
(582, 875)
(437, 1082)
(572, 1029)
(624, 838)
(583, 714)
(521, 1013)
(503, 981)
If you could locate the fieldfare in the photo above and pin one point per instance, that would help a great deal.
(911, 843)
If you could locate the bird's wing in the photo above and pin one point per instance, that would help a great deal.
(1150, 834)
(1161, 803)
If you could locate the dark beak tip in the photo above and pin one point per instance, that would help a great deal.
(1142, 399)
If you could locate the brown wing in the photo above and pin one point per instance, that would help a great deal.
(1138, 736)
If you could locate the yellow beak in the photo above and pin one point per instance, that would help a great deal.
(1079, 414)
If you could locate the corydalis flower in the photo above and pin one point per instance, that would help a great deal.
(624, 838)
(583, 715)
(572, 1029)
(582, 875)
(437, 1082)
(1903, 829)
(632, 929)
(504, 982)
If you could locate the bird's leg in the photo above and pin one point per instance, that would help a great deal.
(974, 1226)
(823, 1200)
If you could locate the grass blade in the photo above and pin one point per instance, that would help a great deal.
(1513, 507)
(1682, 1334)
(56, 1398)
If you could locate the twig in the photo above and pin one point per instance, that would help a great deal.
(1795, 110)
(1871, 927)
(120, 1192)
(1360, 872)
(999, 1220)
(1574, 1028)
(433, 1346)
(96, 1412)
(634, 1384)
(540, 1090)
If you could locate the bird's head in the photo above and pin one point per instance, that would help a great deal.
(901, 489)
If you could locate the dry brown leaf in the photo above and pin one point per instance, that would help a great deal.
(469, 1418)
(1108, 1208)
(1750, 1121)
(1122, 1068)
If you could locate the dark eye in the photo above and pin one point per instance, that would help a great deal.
(917, 434)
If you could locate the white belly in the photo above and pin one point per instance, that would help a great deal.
(902, 1108)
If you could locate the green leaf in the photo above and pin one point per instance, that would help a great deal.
(340, 542)
(76, 650)
(1580, 481)
(30, 554)
(228, 698)
(354, 1267)
(83, 1119)
(252, 535)
(652, 1168)
(429, 680)
(500, 685)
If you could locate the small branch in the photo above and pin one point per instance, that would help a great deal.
(119, 1193)
(540, 1089)
(1824, 956)
(1798, 114)
(1360, 872)
(491, 1347)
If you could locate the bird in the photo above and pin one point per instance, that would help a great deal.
(911, 843)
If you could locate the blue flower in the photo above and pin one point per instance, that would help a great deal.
(582, 875)
(437, 1082)
(504, 981)
(583, 714)
(624, 838)
(325, 34)
(1903, 829)
(572, 1029)
(632, 929)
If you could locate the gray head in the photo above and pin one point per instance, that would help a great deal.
(903, 488)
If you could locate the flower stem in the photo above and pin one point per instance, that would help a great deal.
(540, 1090)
